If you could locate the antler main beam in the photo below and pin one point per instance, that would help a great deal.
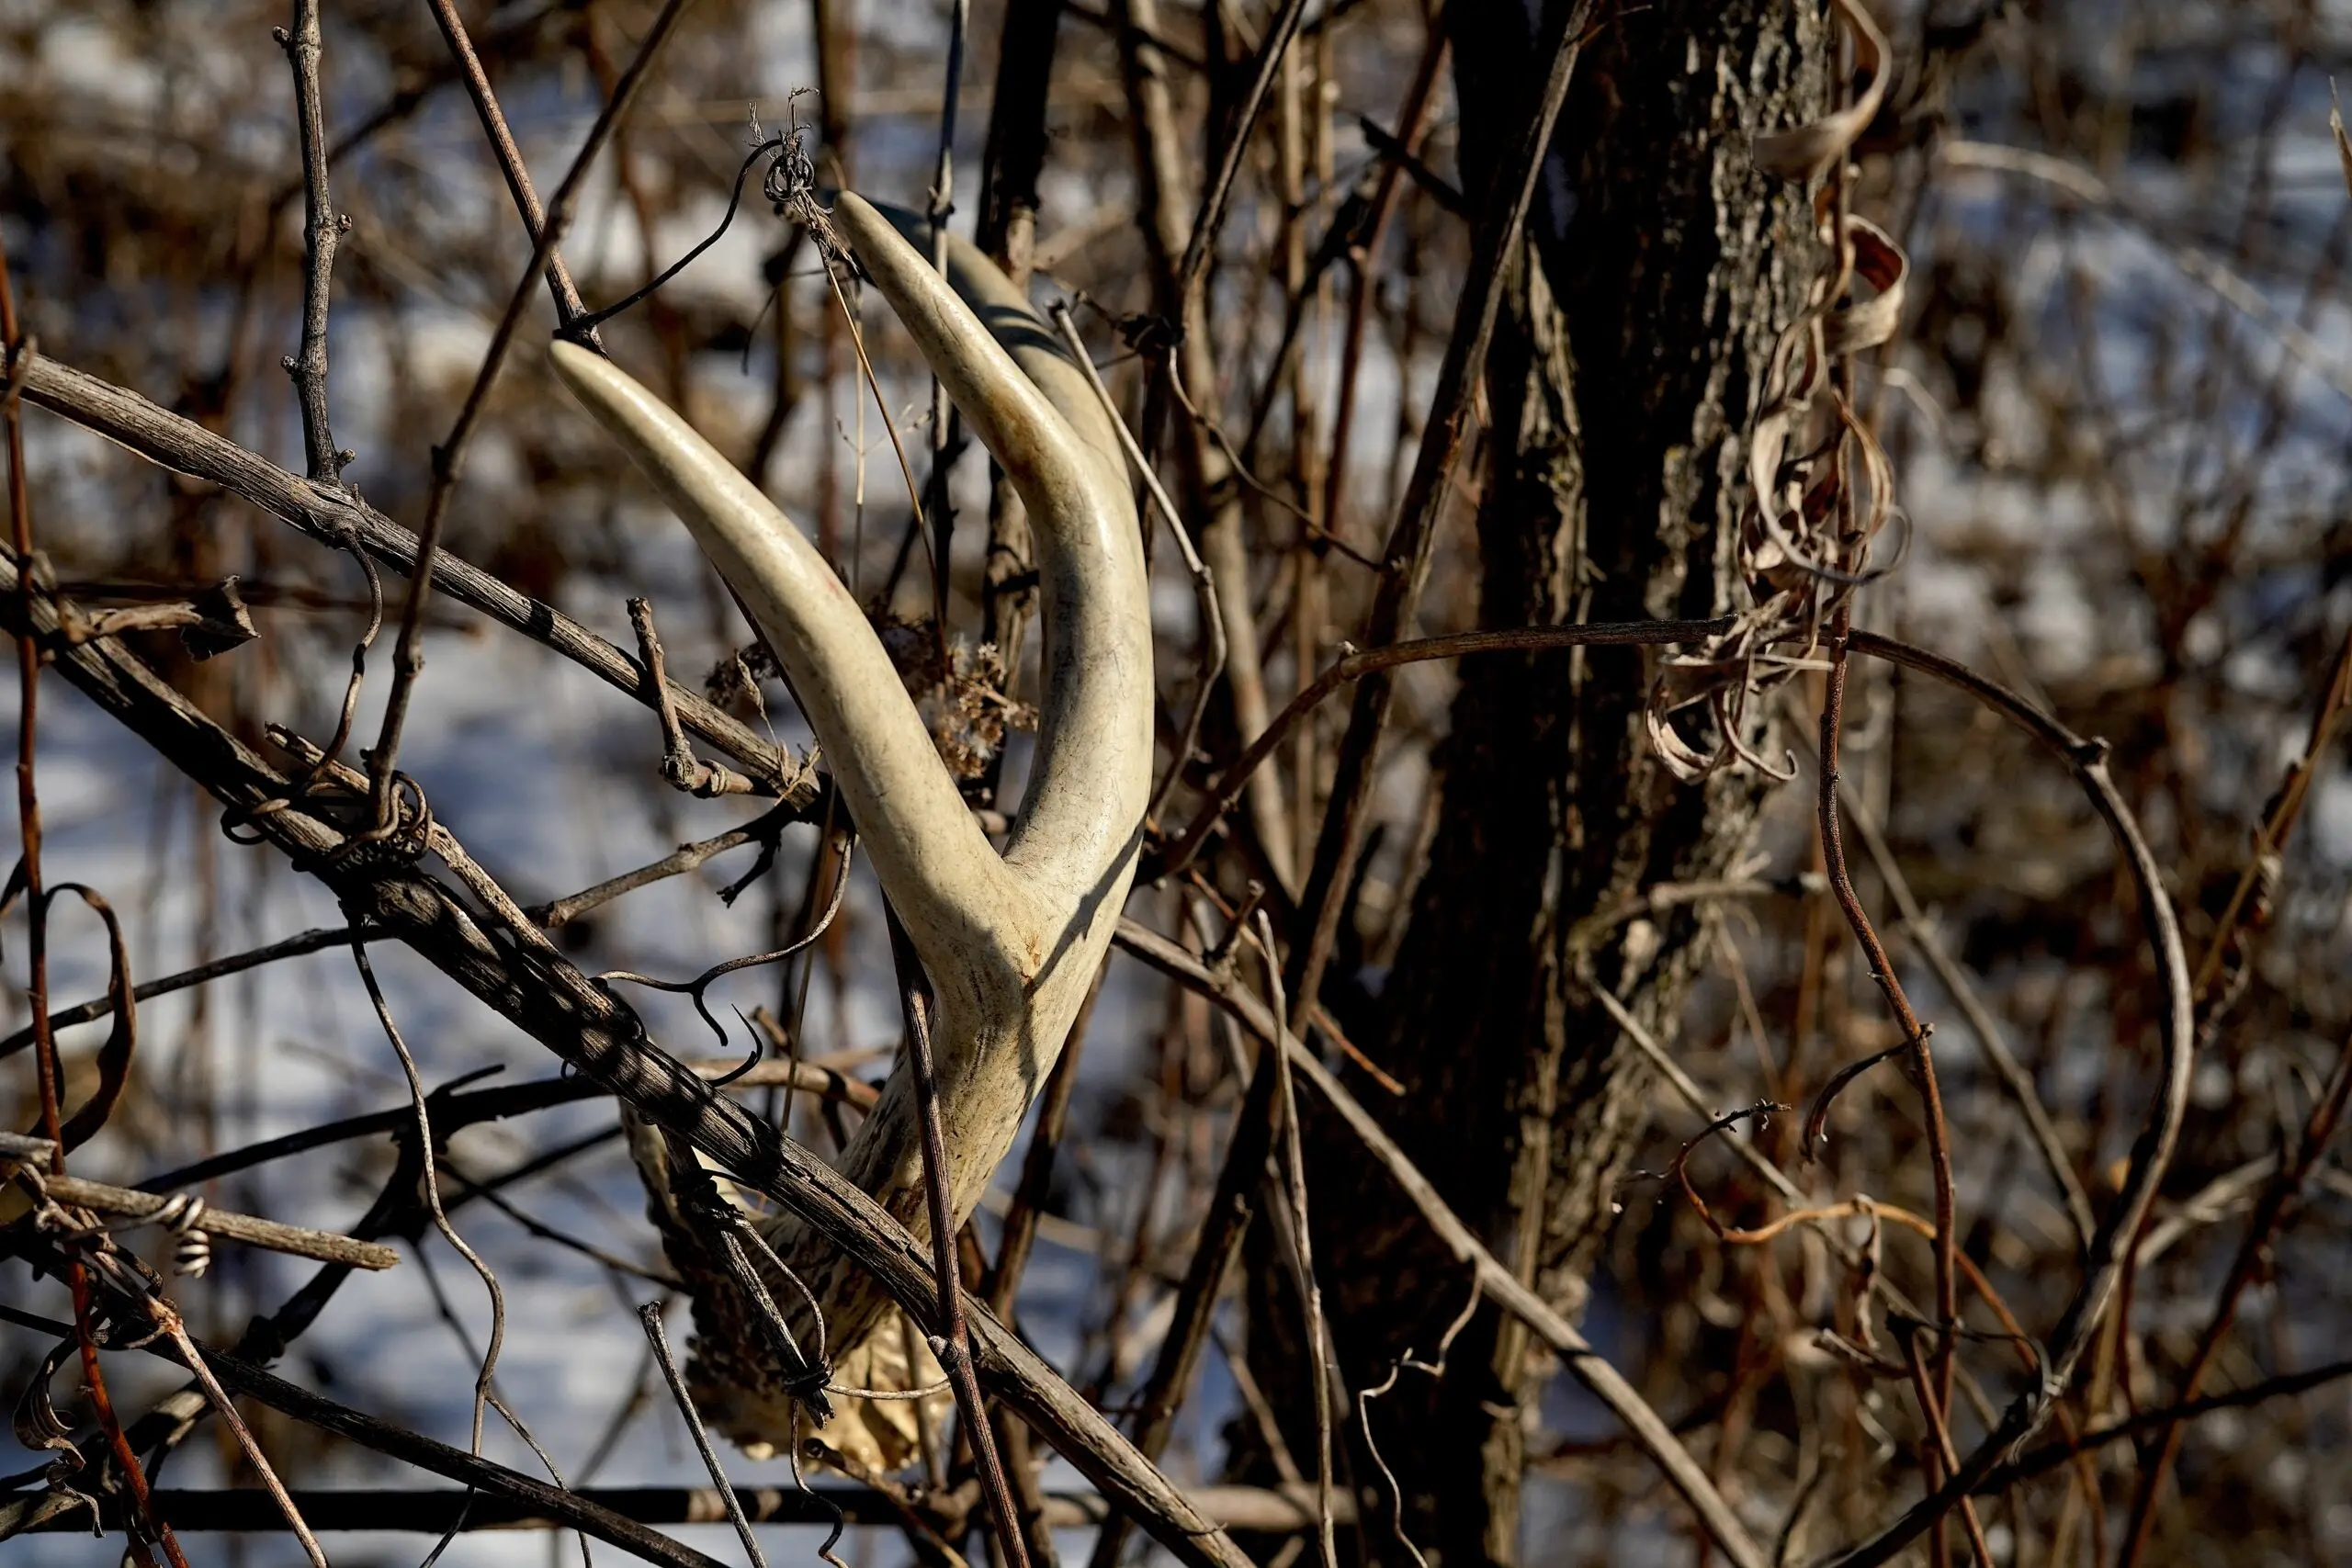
(1010, 942)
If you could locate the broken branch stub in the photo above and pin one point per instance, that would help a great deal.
(1010, 942)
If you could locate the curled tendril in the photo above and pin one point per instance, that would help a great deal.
(698, 988)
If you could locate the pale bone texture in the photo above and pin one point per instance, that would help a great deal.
(1010, 942)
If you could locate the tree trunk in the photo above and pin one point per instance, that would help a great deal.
(1639, 325)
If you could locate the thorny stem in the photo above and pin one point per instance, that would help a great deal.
(567, 303)
(19, 351)
(321, 230)
(449, 457)
(953, 1348)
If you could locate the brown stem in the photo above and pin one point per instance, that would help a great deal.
(321, 230)
(954, 1346)
(1210, 221)
(1915, 1033)
(567, 303)
(1412, 124)
(20, 354)
(1210, 474)
(1923, 1385)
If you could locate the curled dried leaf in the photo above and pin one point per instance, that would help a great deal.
(114, 1057)
(1810, 149)
(1882, 263)
(36, 1424)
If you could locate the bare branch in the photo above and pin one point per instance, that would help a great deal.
(322, 229)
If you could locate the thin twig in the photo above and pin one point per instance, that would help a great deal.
(1655, 1437)
(420, 1104)
(763, 829)
(679, 766)
(1914, 1034)
(2006, 1065)
(2106, 1258)
(322, 229)
(1412, 543)
(946, 443)
(449, 457)
(169, 1321)
(98, 1008)
(1210, 221)
(2262, 1228)
(954, 1346)
(567, 303)
(650, 1315)
(1310, 1292)
(298, 1241)
(1219, 798)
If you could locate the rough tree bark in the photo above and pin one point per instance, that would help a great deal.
(1639, 324)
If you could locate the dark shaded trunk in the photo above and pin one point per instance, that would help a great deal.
(1640, 321)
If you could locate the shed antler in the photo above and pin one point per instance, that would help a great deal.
(1010, 942)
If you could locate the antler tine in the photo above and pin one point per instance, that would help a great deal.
(1081, 818)
(1033, 344)
(938, 868)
